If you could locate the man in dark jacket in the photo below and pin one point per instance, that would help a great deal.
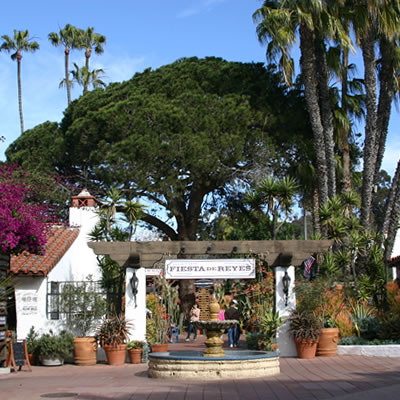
(233, 333)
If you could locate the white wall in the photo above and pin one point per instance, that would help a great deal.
(77, 263)
(396, 245)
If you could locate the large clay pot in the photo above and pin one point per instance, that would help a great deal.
(328, 341)
(116, 355)
(306, 348)
(135, 356)
(85, 350)
(157, 348)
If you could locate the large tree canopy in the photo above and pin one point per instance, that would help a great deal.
(173, 136)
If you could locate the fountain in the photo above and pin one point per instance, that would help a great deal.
(214, 362)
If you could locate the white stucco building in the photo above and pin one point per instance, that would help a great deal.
(67, 258)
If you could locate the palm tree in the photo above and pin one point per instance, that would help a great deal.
(279, 24)
(275, 197)
(376, 23)
(84, 77)
(89, 40)
(68, 38)
(19, 43)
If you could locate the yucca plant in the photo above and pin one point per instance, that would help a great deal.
(114, 330)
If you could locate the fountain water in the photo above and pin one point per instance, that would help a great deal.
(214, 362)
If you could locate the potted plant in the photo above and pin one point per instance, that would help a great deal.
(84, 307)
(305, 329)
(112, 335)
(32, 345)
(319, 298)
(135, 349)
(53, 348)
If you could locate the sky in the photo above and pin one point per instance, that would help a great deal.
(140, 34)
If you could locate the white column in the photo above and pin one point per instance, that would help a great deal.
(394, 273)
(136, 312)
(286, 344)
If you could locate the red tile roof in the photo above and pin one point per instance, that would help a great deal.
(394, 260)
(59, 241)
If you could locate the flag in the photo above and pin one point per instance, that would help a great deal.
(307, 266)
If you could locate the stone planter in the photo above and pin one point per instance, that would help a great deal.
(51, 361)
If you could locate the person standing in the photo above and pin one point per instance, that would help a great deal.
(194, 315)
(234, 332)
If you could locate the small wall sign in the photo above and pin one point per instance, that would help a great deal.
(231, 268)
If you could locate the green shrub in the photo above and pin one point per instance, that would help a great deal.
(55, 346)
(135, 344)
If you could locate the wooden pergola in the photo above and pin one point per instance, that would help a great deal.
(148, 254)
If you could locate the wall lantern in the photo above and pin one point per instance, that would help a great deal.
(286, 283)
(134, 286)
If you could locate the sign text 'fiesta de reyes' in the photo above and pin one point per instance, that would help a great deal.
(232, 268)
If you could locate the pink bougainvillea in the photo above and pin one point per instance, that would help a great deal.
(23, 223)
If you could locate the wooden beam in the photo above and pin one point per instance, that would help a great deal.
(146, 254)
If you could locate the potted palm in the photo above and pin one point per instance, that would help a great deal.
(305, 329)
(32, 345)
(84, 307)
(135, 349)
(53, 348)
(113, 334)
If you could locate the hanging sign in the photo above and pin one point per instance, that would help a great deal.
(231, 268)
(153, 271)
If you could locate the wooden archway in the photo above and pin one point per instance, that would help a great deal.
(147, 254)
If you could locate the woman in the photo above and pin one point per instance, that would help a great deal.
(193, 316)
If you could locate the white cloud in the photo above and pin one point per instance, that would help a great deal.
(120, 69)
(188, 12)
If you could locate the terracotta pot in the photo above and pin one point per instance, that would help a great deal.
(85, 350)
(328, 341)
(116, 355)
(32, 359)
(157, 348)
(306, 348)
(135, 356)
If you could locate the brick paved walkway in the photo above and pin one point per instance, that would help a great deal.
(341, 377)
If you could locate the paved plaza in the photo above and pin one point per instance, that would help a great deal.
(340, 377)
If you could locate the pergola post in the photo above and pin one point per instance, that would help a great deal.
(135, 302)
(286, 344)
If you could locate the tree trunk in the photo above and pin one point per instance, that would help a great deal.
(67, 81)
(386, 94)
(309, 74)
(326, 115)
(370, 143)
(86, 81)
(345, 133)
(315, 212)
(392, 215)
(21, 115)
(391, 200)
